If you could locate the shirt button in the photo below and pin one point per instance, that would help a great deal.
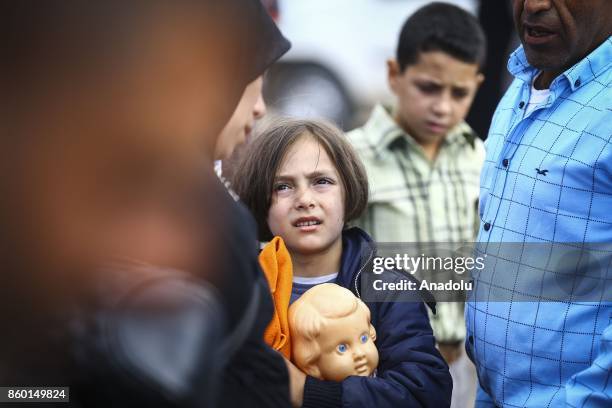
(505, 162)
(471, 339)
(577, 83)
(521, 105)
(487, 226)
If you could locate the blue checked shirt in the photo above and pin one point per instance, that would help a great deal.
(547, 179)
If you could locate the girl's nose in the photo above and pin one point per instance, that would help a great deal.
(304, 199)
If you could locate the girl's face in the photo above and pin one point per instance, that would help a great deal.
(307, 208)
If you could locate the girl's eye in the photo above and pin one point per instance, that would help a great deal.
(324, 181)
(281, 187)
(342, 348)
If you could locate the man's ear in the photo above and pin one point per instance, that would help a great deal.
(393, 72)
(479, 79)
(372, 332)
(313, 371)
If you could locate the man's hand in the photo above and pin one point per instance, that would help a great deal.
(297, 379)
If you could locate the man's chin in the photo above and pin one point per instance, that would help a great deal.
(543, 59)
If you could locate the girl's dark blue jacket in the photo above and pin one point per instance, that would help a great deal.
(411, 371)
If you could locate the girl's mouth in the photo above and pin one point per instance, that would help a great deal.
(307, 224)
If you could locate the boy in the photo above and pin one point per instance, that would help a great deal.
(423, 161)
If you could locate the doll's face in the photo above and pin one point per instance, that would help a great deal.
(347, 347)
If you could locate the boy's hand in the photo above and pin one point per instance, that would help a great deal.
(297, 379)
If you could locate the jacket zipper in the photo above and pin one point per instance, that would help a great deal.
(360, 270)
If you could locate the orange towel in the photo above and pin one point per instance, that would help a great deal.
(276, 264)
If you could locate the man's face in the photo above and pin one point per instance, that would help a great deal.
(238, 129)
(558, 33)
(433, 95)
(347, 348)
(104, 151)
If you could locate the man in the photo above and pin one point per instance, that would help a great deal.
(128, 272)
(539, 321)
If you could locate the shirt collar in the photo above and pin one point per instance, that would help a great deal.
(382, 131)
(583, 72)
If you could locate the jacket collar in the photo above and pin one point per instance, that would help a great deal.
(357, 249)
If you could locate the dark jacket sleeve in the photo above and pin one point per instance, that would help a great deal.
(256, 376)
(411, 372)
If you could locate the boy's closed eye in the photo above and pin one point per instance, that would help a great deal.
(432, 88)
(428, 87)
(460, 93)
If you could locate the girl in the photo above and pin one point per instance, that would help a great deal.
(304, 183)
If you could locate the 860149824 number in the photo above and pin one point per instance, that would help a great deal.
(34, 394)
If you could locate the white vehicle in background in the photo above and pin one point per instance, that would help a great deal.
(336, 67)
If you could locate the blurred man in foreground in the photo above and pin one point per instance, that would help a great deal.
(128, 273)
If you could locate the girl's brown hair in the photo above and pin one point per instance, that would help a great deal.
(254, 176)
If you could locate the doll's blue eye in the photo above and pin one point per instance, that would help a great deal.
(342, 348)
(364, 338)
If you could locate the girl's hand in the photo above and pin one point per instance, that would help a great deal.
(297, 379)
(450, 352)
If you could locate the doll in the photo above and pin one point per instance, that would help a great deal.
(331, 334)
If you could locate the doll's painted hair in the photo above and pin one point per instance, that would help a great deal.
(254, 178)
(313, 312)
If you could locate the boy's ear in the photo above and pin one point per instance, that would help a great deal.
(393, 72)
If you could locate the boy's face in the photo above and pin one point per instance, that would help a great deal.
(307, 208)
(434, 94)
(347, 348)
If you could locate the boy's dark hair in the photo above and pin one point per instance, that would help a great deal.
(441, 27)
(254, 179)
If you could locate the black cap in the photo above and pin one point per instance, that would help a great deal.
(265, 42)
